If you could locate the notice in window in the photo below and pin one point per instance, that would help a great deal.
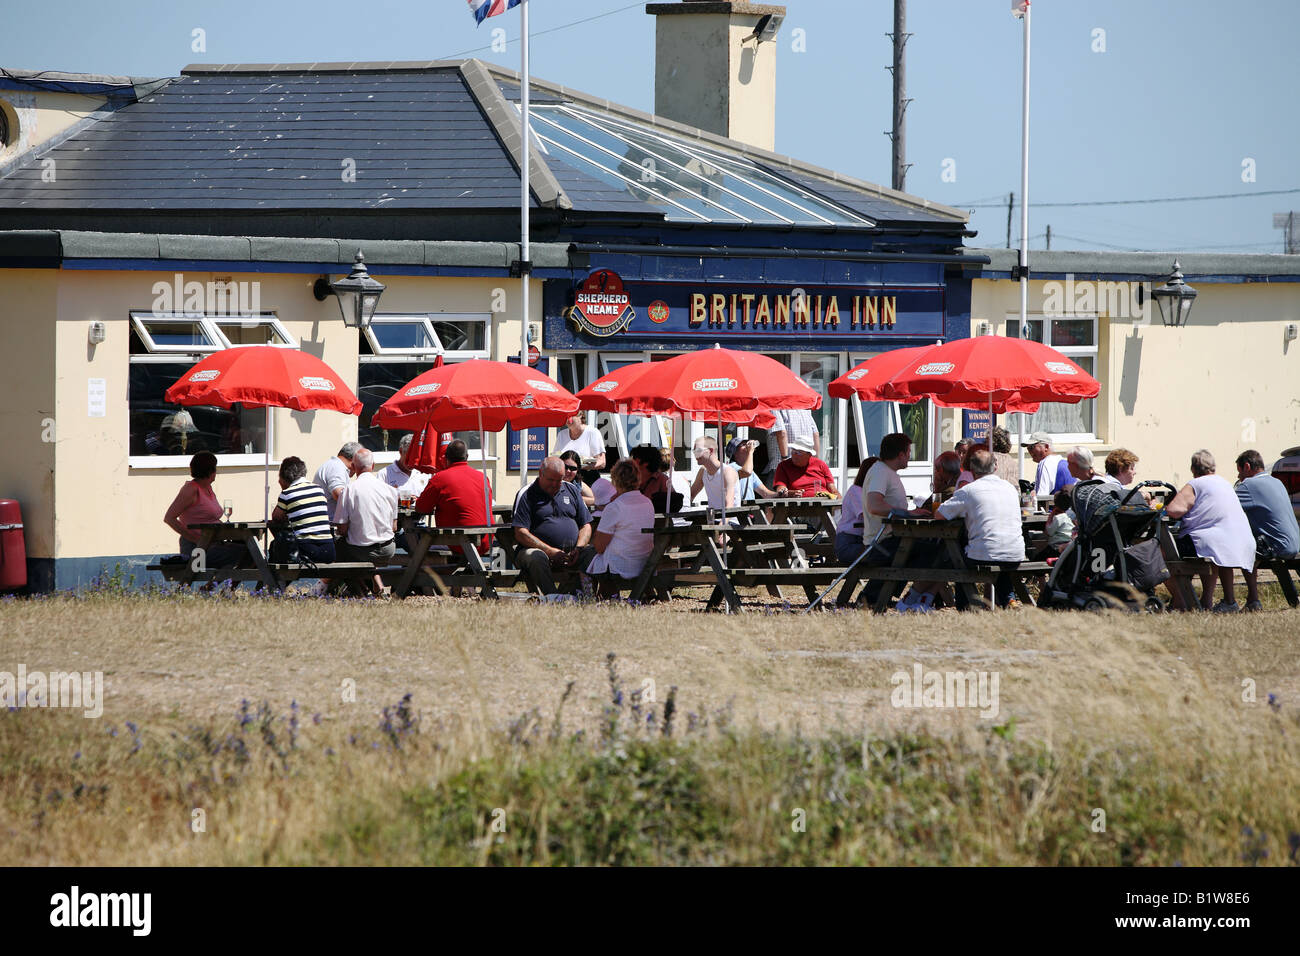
(97, 397)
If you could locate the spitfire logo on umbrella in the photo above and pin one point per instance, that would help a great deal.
(600, 306)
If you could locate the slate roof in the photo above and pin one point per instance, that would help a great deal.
(440, 137)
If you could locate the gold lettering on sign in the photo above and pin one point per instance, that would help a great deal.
(763, 315)
(718, 314)
(889, 316)
(870, 311)
(699, 309)
(832, 317)
(731, 316)
(747, 299)
(782, 311)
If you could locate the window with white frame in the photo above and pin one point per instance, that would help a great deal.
(162, 349)
(1075, 337)
(396, 348)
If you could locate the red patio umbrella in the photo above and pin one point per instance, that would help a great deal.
(872, 381)
(714, 384)
(264, 376)
(478, 393)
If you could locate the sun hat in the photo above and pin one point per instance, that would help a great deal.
(802, 444)
(1035, 439)
(733, 446)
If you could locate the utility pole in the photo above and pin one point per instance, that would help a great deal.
(1049, 238)
(1288, 221)
(899, 134)
(1011, 205)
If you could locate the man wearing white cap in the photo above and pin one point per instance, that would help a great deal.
(1053, 471)
(803, 474)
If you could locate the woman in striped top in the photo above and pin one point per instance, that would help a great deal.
(303, 505)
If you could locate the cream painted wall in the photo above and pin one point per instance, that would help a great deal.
(27, 413)
(104, 507)
(1226, 381)
(752, 83)
(41, 115)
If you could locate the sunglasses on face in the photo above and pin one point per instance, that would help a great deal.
(570, 467)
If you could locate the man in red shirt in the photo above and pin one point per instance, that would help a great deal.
(802, 474)
(455, 495)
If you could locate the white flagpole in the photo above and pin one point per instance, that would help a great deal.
(1024, 214)
(525, 264)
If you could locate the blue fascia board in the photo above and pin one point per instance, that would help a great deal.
(306, 268)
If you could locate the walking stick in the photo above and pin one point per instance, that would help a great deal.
(856, 560)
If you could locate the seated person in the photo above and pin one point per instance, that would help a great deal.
(718, 483)
(552, 527)
(196, 503)
(964, 476)
(945, 479)
(401, 474)
(802, 474)
(602, 490)
(1271, 516)
(1214, 526)
(883, 496)
(990, 508)
(304, 509)
(1008, 467)
(848, 534)
(652, 471)
(740, 457)
(620, 544)
(573, 473)
(367, 517)
(1060, 527)
(458, 496)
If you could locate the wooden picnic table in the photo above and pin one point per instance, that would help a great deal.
(962, 572)
(247, 533)
(728, 565)
(817, 512)
(421, 538)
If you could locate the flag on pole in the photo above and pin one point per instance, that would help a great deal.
(1018, 8)
(482, 9)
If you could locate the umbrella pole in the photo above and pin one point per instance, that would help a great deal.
(482, 445)
(721, 446)
(266, 469)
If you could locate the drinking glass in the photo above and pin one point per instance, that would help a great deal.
(228, 507)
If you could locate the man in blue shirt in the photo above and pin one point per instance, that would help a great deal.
(552, 528)
(1271, 516)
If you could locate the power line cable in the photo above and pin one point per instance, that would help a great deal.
(1138, 202)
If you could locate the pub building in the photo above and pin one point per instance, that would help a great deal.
(145, 224)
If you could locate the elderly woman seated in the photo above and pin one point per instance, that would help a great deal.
(621, 544)
(1214, 527)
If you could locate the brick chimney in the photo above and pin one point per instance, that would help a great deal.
(713, 71)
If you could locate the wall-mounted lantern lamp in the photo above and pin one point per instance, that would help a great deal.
(358, 294)
(1174, 298)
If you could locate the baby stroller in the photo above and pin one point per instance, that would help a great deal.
(1114, 562)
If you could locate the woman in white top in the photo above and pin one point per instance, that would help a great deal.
(585, 442)
(719, 483)
(620, 542)
(1214, 527)
(848, 531)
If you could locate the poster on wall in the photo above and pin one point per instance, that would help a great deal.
(537, 449)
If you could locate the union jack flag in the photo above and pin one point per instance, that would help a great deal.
(482, 9)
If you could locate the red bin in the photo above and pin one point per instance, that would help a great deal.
(13, 552)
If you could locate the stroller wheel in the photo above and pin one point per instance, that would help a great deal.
(1093, 602)
(1101, 601)
(1154, 605)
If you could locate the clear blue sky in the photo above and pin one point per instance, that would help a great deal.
(1184, 92)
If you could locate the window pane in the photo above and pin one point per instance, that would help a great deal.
(177, 332)
(403, 335)
(875, 420)
(160, 428)
(377, 382)
(1058, 418)
(817, 371)
(251, 332)
(1035, 329)
(1073, 332)
(462, 336)
(916, 425)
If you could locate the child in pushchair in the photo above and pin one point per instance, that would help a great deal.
(1114, 561)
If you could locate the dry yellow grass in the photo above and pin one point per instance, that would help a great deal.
(1170, 689)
